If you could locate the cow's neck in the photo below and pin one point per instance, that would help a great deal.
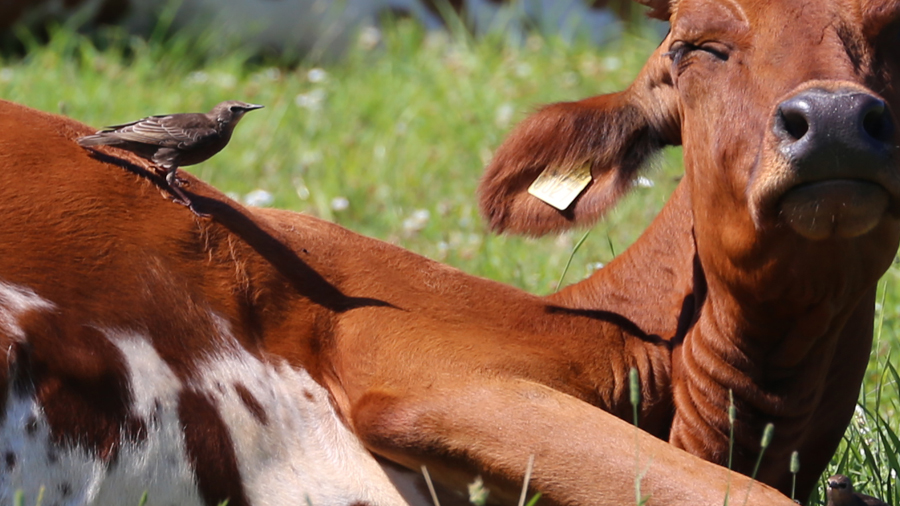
(650, 283)
(776, 348)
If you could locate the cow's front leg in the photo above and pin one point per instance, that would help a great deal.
(583, 455)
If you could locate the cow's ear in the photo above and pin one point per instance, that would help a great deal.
(659, 9)
(589, 151)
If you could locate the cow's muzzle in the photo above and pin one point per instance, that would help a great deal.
(820, 129)
(839, 147)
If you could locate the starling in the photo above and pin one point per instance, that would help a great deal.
(175, 140)
(840, 493)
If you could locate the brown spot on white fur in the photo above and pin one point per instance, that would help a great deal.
(253, 405)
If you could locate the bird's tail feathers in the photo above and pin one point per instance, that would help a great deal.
(96, 140)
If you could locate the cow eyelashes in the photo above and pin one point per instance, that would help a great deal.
(680, 50)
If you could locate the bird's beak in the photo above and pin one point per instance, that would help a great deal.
(253, 107)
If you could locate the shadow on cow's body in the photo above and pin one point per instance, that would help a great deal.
(262, 354)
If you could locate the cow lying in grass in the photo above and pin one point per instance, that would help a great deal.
(266, 357)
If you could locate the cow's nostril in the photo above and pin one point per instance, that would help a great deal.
(876, 122)
(794, 123)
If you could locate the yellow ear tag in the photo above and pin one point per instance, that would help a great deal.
(560, 186)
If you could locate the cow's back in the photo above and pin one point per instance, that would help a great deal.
(131, 362)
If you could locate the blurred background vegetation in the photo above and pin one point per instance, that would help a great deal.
(390, 139)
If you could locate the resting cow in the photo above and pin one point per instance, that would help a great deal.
(266, 357)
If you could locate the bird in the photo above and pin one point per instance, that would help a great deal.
(840, 493)
(171, 141)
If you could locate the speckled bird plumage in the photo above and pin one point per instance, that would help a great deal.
(175, 140)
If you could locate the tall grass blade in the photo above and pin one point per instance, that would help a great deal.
(795, 468)
(434, 497)
(571, 256)
(534, 499)
(528, 471)
(732, 417)
(768, 433)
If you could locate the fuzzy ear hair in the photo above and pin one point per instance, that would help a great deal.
(608, 134)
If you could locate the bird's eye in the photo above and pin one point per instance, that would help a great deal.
(236, 108)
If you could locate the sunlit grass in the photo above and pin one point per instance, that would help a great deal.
(391, 141)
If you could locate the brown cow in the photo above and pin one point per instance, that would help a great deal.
(262, 355)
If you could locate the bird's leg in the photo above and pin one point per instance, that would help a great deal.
(175, 185)
(173, 179)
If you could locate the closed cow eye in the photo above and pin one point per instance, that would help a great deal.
(681, 52)
(680, 49)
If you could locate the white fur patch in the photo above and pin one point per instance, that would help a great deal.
(14, 301)
(75, 476)
(302, 454)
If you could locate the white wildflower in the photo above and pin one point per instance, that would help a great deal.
(259, 198)
(339, 203)
(611, 63)
(225, 80)
(311, 100)
(369, 37)
(523, 70)
(308, 158)
(317, 75)
(644, 182)
(504, 114)
(198, 77)
(416, 221)
(271, 74)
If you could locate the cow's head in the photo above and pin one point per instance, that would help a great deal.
(787, 112)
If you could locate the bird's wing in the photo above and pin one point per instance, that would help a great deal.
(190, 130)
(173, 131)
(868, 500)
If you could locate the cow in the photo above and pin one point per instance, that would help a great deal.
(264, 356)
(268, 357)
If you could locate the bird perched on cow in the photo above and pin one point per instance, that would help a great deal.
(175, 140)
(840, 493)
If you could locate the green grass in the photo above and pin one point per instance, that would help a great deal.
(402, 131)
